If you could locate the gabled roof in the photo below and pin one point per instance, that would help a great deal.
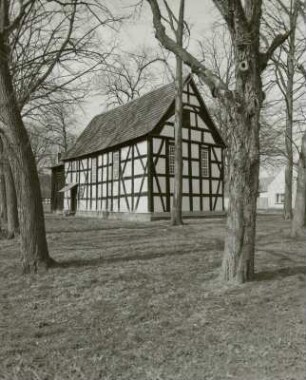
(264, 183)
(125, 123)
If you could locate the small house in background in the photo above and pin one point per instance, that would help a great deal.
(122, 165)
(272, 191)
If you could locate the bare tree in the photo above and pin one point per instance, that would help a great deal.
(177, 27)
(129, 75)
(286, 64)
(36, 37)
(299, 216)
(243, 105)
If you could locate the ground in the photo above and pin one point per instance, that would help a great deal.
(144, 302)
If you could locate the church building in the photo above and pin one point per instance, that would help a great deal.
(122, 165)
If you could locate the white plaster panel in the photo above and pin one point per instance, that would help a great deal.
(171, 119)
(142, 147)
(124, 153)
(158, 207)
(185, 185)
(160, 166)
(137, 185)
(128, 169)
(156, 146)
(218, 152)
(115, 188)
(195, 169)
(185, 133)
(103, 205)
(215, 172)
(195, 150)
(128, 186)
(194, 101)
(93, 192)
(219, 204)
(110, 172)
(196, 204)
(123, 205)
(168, 131)
(185, 167)
(110, 157)
(185, 98)
(115, 205)
(162, 184)
(185, 204)
(105, 159)
(100, 160)
(214, 186)
(142, 204)
(185, 149)
(201, 123)
(84, 164)
(83, 177)
(193, 119)
(104, 189)
(196, 136)
(99, 191)
(208, 138)
(138, 169)
(196, 186)
(205, 186)
(109, 189)
(205, 202)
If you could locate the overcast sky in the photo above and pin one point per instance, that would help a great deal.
(138, 31)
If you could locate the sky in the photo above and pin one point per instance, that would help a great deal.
(138, 31)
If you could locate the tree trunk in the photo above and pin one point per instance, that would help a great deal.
(289, 109)
(3, 202)
(239, 251)
(299, 216)
(12, 209)
(176, 211)
(34, 249)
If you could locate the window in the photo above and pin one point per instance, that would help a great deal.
(280, 198)
(204, 162)
(171, 159)
(116, 165)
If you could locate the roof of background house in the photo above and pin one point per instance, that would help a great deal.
(264, 183)
(127, 122)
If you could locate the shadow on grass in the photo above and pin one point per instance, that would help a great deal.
(280, 273)
(98, 261)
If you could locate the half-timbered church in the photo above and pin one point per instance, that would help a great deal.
(123, 162)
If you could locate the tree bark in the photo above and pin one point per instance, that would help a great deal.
(12, 209)
(33, 243)
(176, 211)
(299, 216)
(3, 202)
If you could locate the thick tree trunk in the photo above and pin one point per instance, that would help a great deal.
(299, 216)
(288, 142)
(3, 202)
(34, 249)
(294, 10)
(239, 252)
(12, 209)
(176, 211)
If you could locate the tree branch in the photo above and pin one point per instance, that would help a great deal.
(278, 40)
(216, 85)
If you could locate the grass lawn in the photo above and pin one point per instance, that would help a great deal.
(143, 302)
